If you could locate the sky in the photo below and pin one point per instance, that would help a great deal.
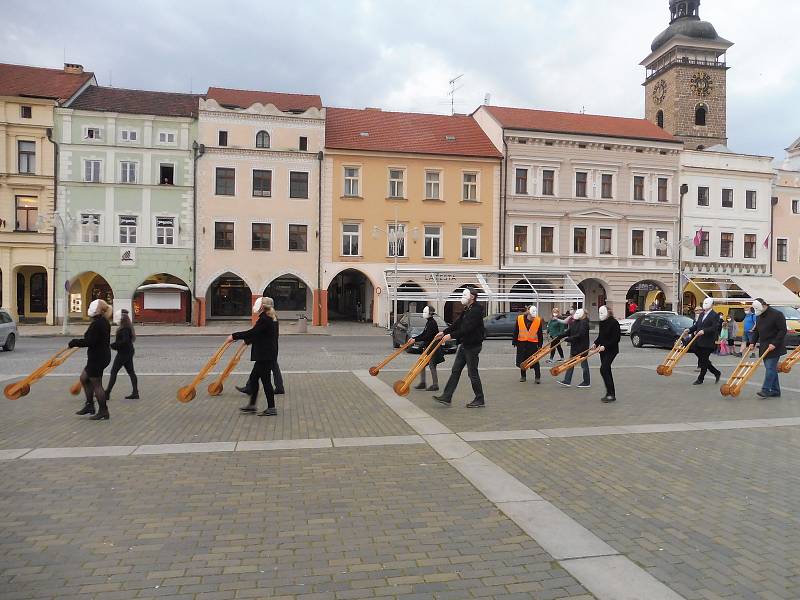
(568, 55)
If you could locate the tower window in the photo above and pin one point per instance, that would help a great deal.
(700, 115)
(660, 119)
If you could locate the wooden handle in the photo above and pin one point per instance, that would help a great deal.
(14, 391)
(377, 368)
(215, 387)
(402, 386)
(187, 393)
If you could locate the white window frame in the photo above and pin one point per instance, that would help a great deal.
(235, 234)
(538, 234)
(476, 237)
(174, 230)
(174, 166)
(539, 181)
(476, 184)
(777, 245)
(437, 183)
(667, 250)
(645, 246)
(351, 181)
(289, 187)
(645, 187)
(613, 248)
(271, 234)
(588, 195)
(253, 180)
(656, 177)
(357, 235)
(389, 228)
(125, 177)
(167, 133)
(83, 227)
(399, 185)
(99, 170)
(97, 128)
(530, 178)
(439, 236)
(588, 228)
(795, 205)
(301, 224)
(528, 246)
(125, 136)
(614, 178)
(128, 229)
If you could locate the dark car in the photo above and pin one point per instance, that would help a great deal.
(410, 325)
(658, 329)
(500, 325)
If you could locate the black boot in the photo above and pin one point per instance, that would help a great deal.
(88, 409)
(251, 406)
(134, 395)
(102, 413)
(243, 389)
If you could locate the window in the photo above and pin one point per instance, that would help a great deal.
(750, 200)
(579, 240)
(298, 184)
(298, 238)
(262, 139)
(226, 181)
(660, 119)
(702, 248)
(703, 195)
(166, 137)
(25, 112)
(223, 138)
(92, 133)
(470, 184)
(637, 242)
(91, 171)
(522, 181)
(638, 187)
(27, 213)
(700, 116)
(433, 185)
(605, 241)
(469, 242)
(397, 239)
(782, 250)
(520, 238)
(796, 207)
(663, 239)
(303, 144)
(352, 175)
(606, 185)
(127, 229)
(662, 189)
(127, 172)
(580, 184)
(166, 174)
(261, 236)
(546, 240)
(223, 235)
(262, 183)
(165, 231)
(433, 241)
(727, 198)
(128, 135)
(351, 239)
(548, 182)
(90, 228)
(749, 245)
(726, 245)
(27, 157)
(396, 183)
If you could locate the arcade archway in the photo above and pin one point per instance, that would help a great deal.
(596, 295)
(86, 287)
(291, 295)
(648, 295)
(229, 297)
(350, 297)
(162, 298)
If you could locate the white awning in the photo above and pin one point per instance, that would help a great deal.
(162, 286)
(744, 288)
(768, 288)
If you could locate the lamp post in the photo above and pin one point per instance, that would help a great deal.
(64, 223)
(394, 235)
(663, 245)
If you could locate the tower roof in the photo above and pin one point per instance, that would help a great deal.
(685, 21)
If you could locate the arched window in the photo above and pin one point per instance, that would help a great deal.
(660, 119)
(262, 139)
(700, 115)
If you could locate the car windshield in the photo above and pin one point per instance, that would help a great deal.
(681, 322)
(419, 321)
(636, 315)
(789, 312)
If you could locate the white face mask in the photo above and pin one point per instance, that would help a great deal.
(94, 307)
(532, 311)
(426, 313)
(257, 305)
(603, 313)
(578, 314)
(758, 308)
(465, 296)
(708, 304)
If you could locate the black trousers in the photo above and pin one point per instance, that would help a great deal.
(120, 361)
(560, 351)
(606, 358)
(277, 376)
(262, 370)
(465, 357)
(704, 361)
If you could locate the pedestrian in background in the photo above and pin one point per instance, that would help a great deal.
(749, 323)
(556, 328)
(123, 344)
(722, 342)
(732, 327)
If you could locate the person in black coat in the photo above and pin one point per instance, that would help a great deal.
(469, 331)
(770, 334)
(98, 354)
(277, 376)
(263, 341)
(123, 344)
(608, 343)
(424, 339)
(528, 335)
(578, 338)
(707, 327)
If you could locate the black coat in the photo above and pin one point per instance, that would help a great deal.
(262, 338)
(96, 340)
(770, 329)
(578, 336)
(468, 328)
(426, 337)
(123, 341)
(609, 335)
(710, 325)
(526, 349)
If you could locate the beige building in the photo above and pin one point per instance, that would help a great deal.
(28, 96)
(258, 182)
(786, 220)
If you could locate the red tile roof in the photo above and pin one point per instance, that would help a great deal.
(22, 80)
(580, 124)
(406, 132)
(246, 98)
(138, 102)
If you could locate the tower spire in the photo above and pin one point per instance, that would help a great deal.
(684, 9)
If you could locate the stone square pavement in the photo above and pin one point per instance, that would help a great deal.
(353, 492)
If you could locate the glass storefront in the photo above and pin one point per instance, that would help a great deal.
(229, 296)
(289, 293)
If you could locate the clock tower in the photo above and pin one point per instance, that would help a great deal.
(685, 88)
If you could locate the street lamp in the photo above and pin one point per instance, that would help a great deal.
(65, 222)
(394, 235)
(663, 245)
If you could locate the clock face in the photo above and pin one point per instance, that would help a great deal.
(702, 84)
(659, 91)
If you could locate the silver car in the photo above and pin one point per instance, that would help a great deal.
(8, 331)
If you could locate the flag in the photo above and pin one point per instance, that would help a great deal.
(766, 240)
(698, 238)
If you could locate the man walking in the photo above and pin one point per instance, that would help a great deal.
(707, 327)
(770, 334)
(468, 331)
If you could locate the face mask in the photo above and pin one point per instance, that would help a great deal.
(555, 315)
(579, 314)
(94, 308)
(257, 305)
(532, 311)
(708, 304)
(426, 313)
(758, 308)
(603, 313)
(465, 296)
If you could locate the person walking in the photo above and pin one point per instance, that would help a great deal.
(698, 312)
(555, 330)
(425, 338)
(732, 328)
(770, 335)
(748, 324)
(528, 333)
(469, 331)
(607, 343)
(707, 327)
(263, 341)
(578, 338)
(96, 340)
(123, 344)
(275, 369)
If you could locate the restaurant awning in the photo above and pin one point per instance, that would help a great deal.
(724, 289)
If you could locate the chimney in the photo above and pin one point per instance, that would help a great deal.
(73, 68)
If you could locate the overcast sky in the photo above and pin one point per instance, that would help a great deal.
(550, 54)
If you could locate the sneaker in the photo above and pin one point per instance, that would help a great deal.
(433, 388)
(697, 382)
(716, 378)
(442, 400)
(133, 396)
(268, 412)
(564, 383)
(763, 394)
(248, 409)
(548, 361)
(608, 399)
(584, 385)
(476, 404)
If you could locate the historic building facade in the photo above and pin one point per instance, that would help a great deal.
(786, 220)
(591, 196)
(28, 96)
(258, 202)
(125, 195)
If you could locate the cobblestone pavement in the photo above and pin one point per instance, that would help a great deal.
(310, 525)
(713, 514)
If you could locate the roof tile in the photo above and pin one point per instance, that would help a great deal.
(281, 101)
(22, 80)
(139, 102)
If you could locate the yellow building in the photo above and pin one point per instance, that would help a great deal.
(28, 96)
(413, 191)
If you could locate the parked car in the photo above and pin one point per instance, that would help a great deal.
(410, 325)
(626, 323)
(658, 329)
(500, 325)
(8, 331)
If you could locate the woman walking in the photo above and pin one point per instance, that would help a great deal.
(578, 338)
(608, 343)
(556, 329)
(528, 339)
(425, 338)
(98, 355)
(123, 344)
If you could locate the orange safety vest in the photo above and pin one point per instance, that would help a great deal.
(528, 335)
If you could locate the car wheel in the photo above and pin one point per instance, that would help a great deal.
(636, 340)
(11, 341)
